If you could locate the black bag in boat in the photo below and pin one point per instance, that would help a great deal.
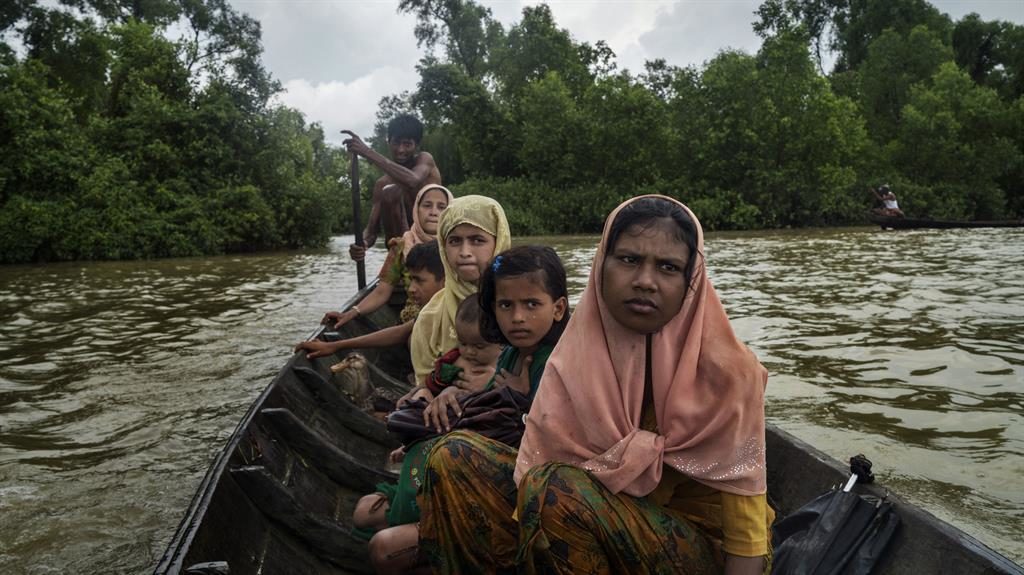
(494, 413)
(840, 533)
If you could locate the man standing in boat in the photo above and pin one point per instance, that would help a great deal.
(888, 199)
(408, 170)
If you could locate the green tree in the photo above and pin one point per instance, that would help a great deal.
(848, 27)
(41, 147)
(482, 128)
(627, 134)
(118, 142)
(956, 142)
(75, 53)
(816, 17)
(992, 53)
(1013, 179)
(552, 132)
(894, 64)
(860, 22)
(466, 30)
(777, 139)
(535, 47)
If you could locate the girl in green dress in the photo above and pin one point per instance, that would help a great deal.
(524, 306)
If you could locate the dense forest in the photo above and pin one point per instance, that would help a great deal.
(147, 128)
(551, 128)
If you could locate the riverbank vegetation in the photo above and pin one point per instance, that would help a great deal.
(550, 127)
(119, 140)
(147, 129)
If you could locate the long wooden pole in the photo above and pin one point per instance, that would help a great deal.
(357, 220)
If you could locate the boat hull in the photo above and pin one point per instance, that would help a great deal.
(887, 222)
(280, 495)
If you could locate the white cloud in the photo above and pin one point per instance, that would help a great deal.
(332, 40)
(346, 105)
(691, 33)
(338, 58)
(620, 24)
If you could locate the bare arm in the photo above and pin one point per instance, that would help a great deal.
(875, 192)
(412, 179)
(375, 299)
(387, 337)
(372, 302)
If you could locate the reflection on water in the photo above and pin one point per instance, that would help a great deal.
(908, 346)
(119, 381)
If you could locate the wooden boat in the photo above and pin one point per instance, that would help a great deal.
(279, 497)
(893, 223)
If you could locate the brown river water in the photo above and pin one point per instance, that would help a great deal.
(120, 381)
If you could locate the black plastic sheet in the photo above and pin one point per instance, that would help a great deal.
(839, 533)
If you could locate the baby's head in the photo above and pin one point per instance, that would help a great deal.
(472, 346)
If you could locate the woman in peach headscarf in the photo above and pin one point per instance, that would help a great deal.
(644, 448)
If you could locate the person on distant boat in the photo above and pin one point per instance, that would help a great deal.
(644, 449)
(890, 207)
(431, 201)
(405, 173)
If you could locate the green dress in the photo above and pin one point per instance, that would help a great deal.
(402, 496)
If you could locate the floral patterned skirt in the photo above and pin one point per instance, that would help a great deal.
(467, 503)
(568, 522)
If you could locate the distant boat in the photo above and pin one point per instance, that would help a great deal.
(894, 223)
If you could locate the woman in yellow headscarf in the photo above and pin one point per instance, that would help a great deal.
(470, 232)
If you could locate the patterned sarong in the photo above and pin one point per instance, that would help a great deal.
(469, 499)
(467, 502)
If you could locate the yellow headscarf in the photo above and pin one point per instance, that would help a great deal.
(434, 331)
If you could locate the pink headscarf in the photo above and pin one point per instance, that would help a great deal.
(416, 234)
(708, 390)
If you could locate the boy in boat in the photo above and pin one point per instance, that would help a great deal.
(430, 202)
(405, 173)
(888, 199)
(426, 278)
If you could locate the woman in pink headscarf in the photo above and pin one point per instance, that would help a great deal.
(644, 448)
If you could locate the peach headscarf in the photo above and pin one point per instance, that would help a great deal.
(708, 390)
(416, 234)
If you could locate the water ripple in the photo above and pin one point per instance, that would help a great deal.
(119, 381)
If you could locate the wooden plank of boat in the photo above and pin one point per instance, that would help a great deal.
(279, 497)
(888, 222)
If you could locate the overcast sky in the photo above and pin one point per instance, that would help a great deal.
(338, 58)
